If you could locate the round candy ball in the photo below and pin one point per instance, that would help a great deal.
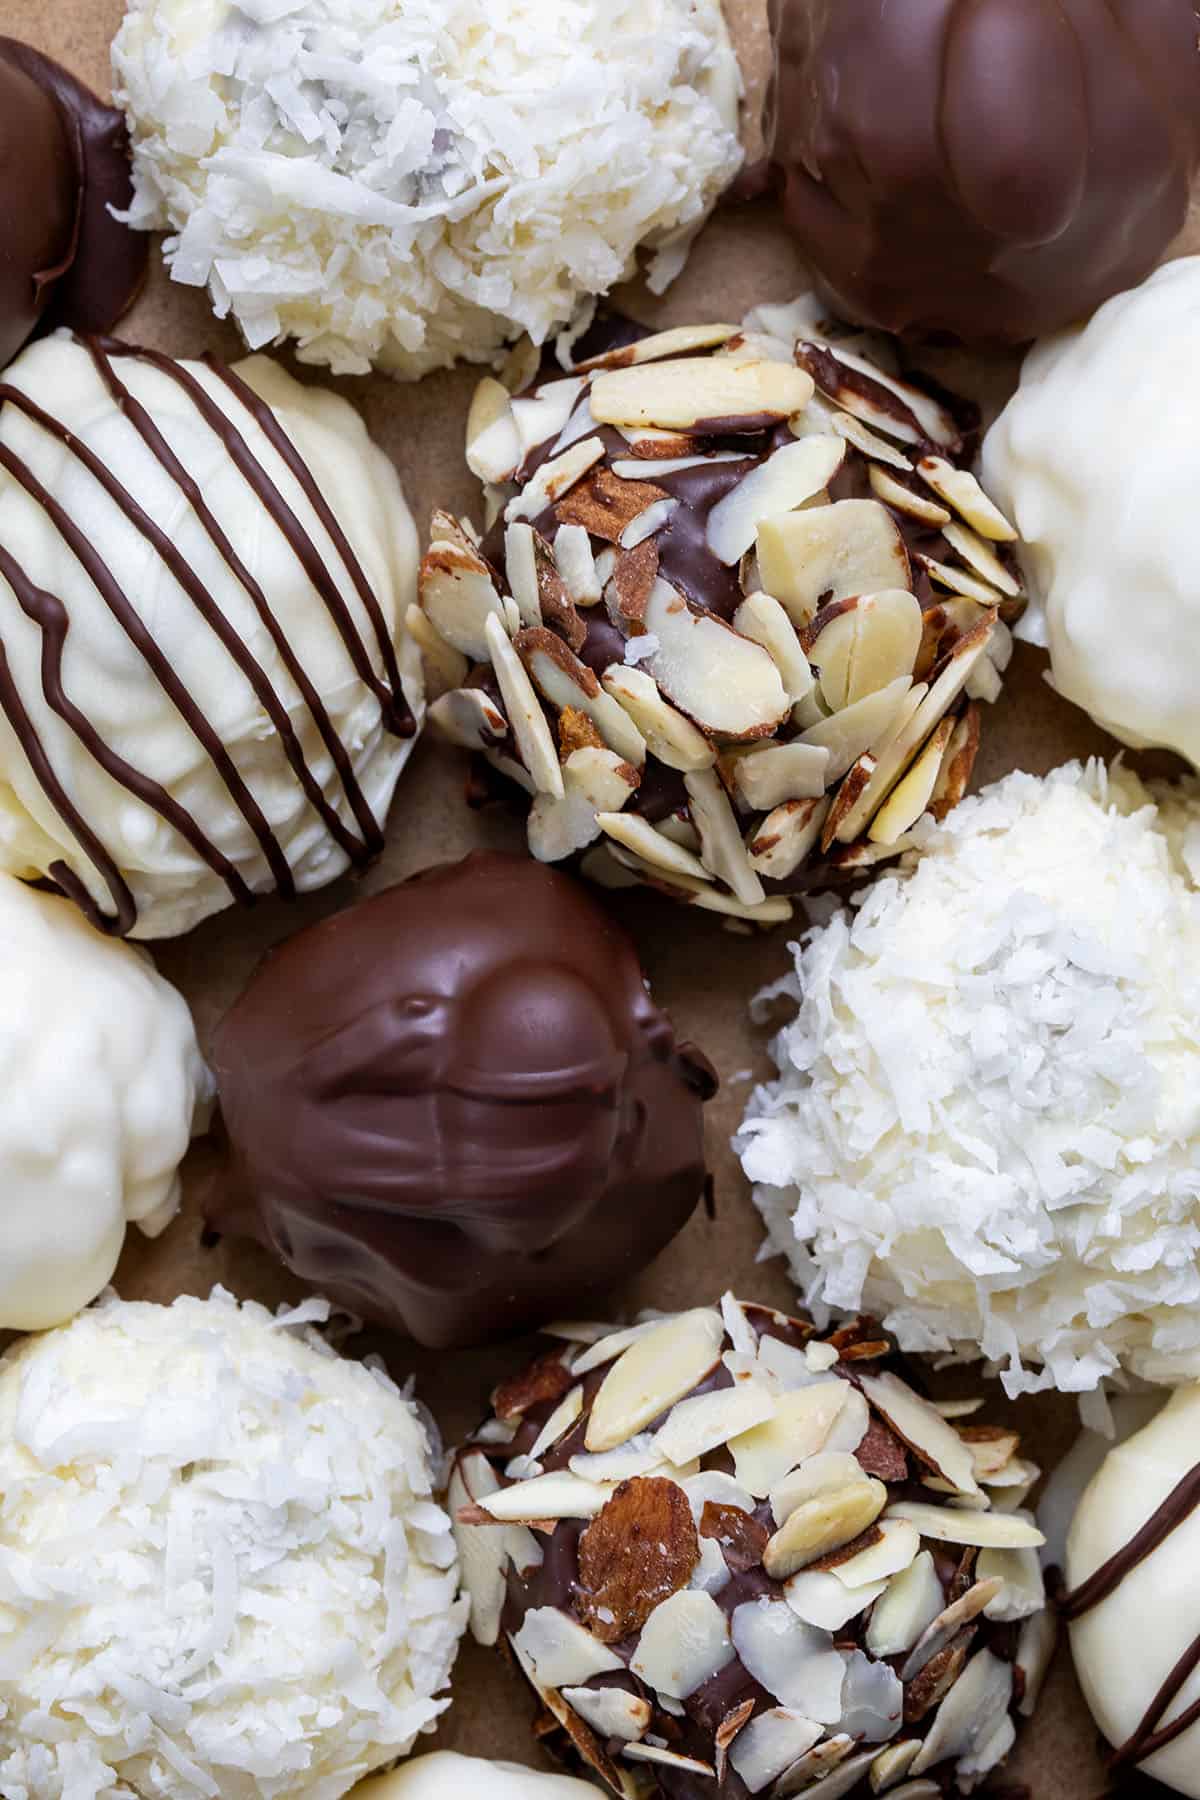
(448, 1776)
(989, 168)
(39, 198)
(455, 1107)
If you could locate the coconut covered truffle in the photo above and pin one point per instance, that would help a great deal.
(985, 1122)
(101, 1085)
(232, 1579)
(737, 601)
(722, 1545)
(410, 184)
(208, 692)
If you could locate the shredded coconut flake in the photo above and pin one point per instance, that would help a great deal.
(985, 1124)
(412, 182)
(221, 1569)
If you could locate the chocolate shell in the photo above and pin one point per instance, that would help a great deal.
(454, 1107)
(994, 169)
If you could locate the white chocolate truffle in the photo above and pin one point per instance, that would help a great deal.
(408, 183)
(101, 1084)
(1096, 462)
(222, 560)
(227, 1573)
(1126, 1647)
(447, 1776)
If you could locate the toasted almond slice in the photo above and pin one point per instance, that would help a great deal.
(722, 681)
(921, 1426)
(554, 479)
(458, 596)
(639, 468)
(638, 835)
(914, 1598)
(828, 553)
(959, 489)
(985, 1530)
(767, 775)
(512, 615)
(857, 432)
(948, 1624)
(667, 1759)
(827, 1769)
(559, 1650)
(893, 1764)
(684, 1643)
(520, 568)
(678, 341)
(1022, 1590)
(493, 444)
(823, 1523)
(559, 1495)
(670, 737)
(799, 1428)
(980, 556)
(653, 518)
(653, 1373)
(482, 1552)
(611, 1712)
(466, 717)
(594, 782)
(722, 849)
(847, 734)
(524, 710)
(565, 681)
(637, 1457)
(992, 1448)
(895, 1550)
(770, 1744)
(794, 1662)
(819, 1598)
(895, 494)
(863, 644)
(782, 483)
(521, 365)
(827, 1469)
(1035, 1653)
(701, 394)
(576, 564)
(704, 1422)
(761, 618)
(786, 837)
(777, 910)
(559, 1422)
(970, 1713)
(848, 798)
(1015, 1473)
(961, 1409)
(912, 794)
(445, 667)
(960, 581)
(542, 415)
(931, 419)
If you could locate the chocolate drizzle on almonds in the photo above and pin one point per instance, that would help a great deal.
(736, 1557)
(755, 562)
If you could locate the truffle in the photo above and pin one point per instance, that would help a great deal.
(410, 185)
(729, 626)
(1133, 1599)
(455, 1107)
(989, 168)
(1094, 460)
(234, 1578)
(207, 691)
(64, 161)
(446, 1776)
(101, 1085)
(724, 1544)
(986, 1119)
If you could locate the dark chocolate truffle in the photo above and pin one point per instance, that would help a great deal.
(990, 168)
(64, 160)
(454, 1107)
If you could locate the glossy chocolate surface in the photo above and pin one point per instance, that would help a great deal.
(990, 168)
(454, 1107)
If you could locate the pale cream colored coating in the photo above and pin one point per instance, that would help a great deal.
(446, 1776)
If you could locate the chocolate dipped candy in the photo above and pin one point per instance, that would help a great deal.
(64, 161)
(990, 168)
(731, 621)
(726, 1547)
(455, 1108)
(206, 688)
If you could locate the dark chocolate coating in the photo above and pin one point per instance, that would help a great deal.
(989, 168)
(64, 160)
(454, 1107)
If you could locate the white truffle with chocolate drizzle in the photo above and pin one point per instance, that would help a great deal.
(737, 600)
(206, 688)
(722, 1545)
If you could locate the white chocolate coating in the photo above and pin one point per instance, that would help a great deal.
(101, 1082)
(1096, 462)
(448, 1776)
(1126, 1647)
(109, 679)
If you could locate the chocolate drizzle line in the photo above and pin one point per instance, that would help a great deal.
(1151, 1734)
(49, 613)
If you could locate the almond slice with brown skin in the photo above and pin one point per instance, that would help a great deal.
(786, 838)
(848, 734)
(566, 682)
(948, 1624)
(895, 494)
(680, 340)
(978, 554)
(761, 618)
(828, 1769)
(862, 644)
(594, 782)
(785, 481)
(970, 1714)
(493, 444)
(554, 479)
(722, 849)
(957, 764)
(701, 394)
(824, 553)
(959, 489)
(525, 715)
(653, 1373)
(466, 717)
(767, 775)
(921, 1426)
(670, 737)
(823, 1523)
(959, 581)
(912, 794)
(726, 684)
(458, 596)
(611, 1712)
(859, 433)
(834, 368)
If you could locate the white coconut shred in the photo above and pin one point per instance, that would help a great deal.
(986, 1125)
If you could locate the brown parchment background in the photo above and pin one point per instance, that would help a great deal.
(703, 975)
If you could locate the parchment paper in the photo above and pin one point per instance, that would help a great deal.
(702, 974)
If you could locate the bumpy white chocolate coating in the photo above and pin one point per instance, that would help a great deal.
(1095, 461)
(1127, 1646)
(108, 678)
(447, 1776)
(101, 1082)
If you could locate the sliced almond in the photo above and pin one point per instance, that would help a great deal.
(519, 368)
(576, 564)
(761, 618)
(594, 782)
(770, 1744)
(529, 727)
(1022, 1590)
(493, 444)
(722, 849)
(677, 341)
(792, 1660)
(959, 489)
(970, 1712)
(667, 1759)
(555, 478)
(565, 681)
(652, 847)
(819, 1598)
(913, 793)
(823, 1523)
(784, 481)
(767, 775)
(559, 1423)
(959, 581)
(919, 1425)
(829, 553)
(913, 1600)
(893, 1764)
(711, 1486)
(864, 645)
(608, 1344)
(986, 1530)
(611, 1712)
(960, 1409)
(992, 1448)
(1035, 1652)
(653, 519)
(466, 717)
(828, 1769)
(520, 569)
(482, 1553)
(984, 682)
(722, 681)
(799, 1428)
(559, 1495)
(894, 1550)
(684, 1643)
(458, 596)
(978, 554)
(541, 416)
(511, 770)
(948, 1624)
(786, 838)
(706, 395)
(859, 433)
(654, 1373)
(638, 1552)
(848, 798)
(847, 735)
(670, 737)
(854, 384)
(901, 498)
(560, 1652)
(445, 668)
(642, 468)
(706, 1421)
(827, 1469)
